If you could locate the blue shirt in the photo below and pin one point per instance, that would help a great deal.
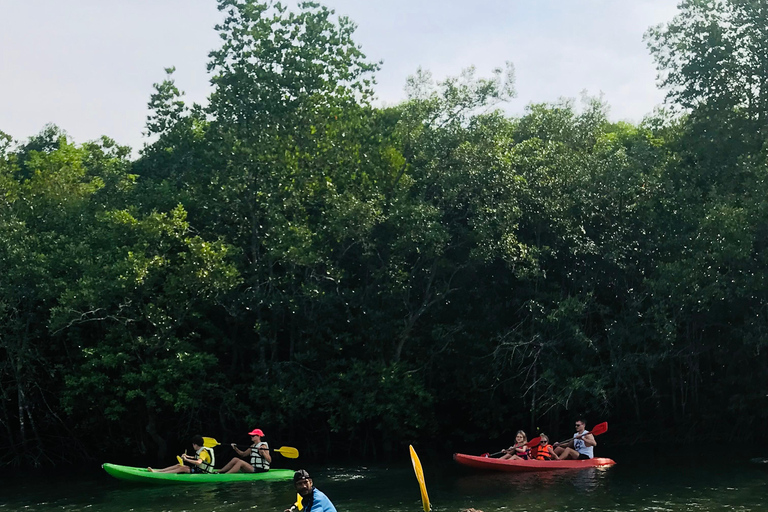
(320, 503)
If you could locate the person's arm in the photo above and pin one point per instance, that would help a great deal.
(191, 460)
(264, 451)
(203, 458)
(589, 440)
(240, 452)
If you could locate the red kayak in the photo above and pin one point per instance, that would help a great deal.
(528, 465)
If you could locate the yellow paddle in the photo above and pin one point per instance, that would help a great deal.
(420, 477)
(296, 506)
(286, 451)
(181, 461)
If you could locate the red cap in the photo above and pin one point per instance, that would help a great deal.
(256, 432)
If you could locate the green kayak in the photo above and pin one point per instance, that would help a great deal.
(152, 477)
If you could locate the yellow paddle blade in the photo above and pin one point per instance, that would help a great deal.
(298, 502)
(420, 477)
(181, 461)
(288, 452)
(210, 442)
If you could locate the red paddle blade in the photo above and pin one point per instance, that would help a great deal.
(600, 428)
(533, 442)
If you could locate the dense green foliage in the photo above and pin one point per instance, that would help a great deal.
(352, 278)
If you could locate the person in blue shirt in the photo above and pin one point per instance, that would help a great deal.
(309, 498)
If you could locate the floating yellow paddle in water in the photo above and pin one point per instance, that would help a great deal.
(285, 451)
(420, 477)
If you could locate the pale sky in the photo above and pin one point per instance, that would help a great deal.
(89, 65)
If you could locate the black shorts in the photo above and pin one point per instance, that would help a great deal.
(583, 457)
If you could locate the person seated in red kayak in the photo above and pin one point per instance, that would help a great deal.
(260, 459)
(580, 447)
(202, 463)
(545, 451)
(519, 450)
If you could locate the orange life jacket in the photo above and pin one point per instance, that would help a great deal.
(542, 452)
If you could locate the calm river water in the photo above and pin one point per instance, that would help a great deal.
(637, 483)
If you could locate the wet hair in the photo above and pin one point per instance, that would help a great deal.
(198, 440)
(301, 474)
(523, 434)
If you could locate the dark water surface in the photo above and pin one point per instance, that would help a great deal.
(637, 483)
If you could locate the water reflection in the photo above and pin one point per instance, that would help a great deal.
(675, 486)
(584, 480)
(202, 497)
(108, 495)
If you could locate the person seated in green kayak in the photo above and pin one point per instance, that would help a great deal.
(202, 462)
(519, 450)
(581, 447)
(545, 451)
(258, 454)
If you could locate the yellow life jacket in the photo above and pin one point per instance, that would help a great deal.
(208, 458)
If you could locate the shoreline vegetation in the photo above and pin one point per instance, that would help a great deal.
(356, 279)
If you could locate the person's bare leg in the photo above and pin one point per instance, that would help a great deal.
(239, 465)
(177, 468)
(229, 465)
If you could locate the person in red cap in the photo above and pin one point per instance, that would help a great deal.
(260, 459)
